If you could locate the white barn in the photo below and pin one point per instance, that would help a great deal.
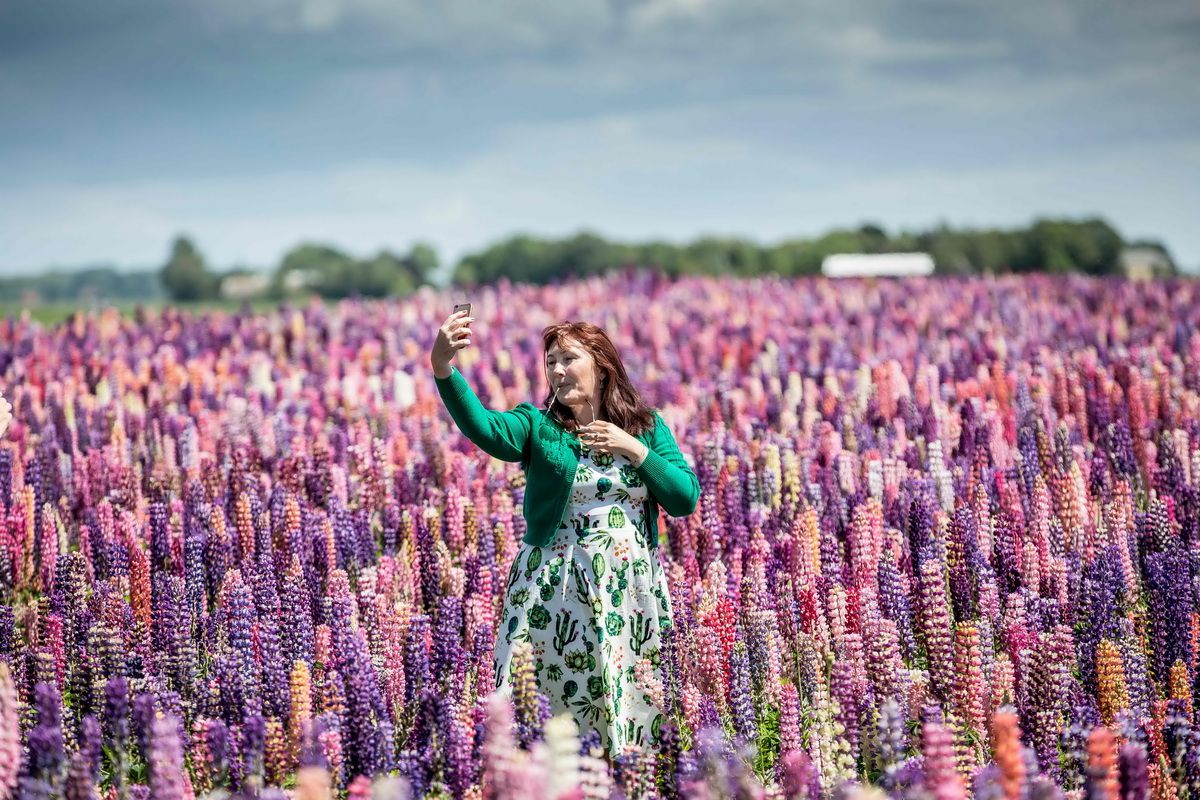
(855, 265)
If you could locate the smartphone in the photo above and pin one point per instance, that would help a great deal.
(462, 306)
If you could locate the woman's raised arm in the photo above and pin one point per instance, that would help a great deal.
(502, 434)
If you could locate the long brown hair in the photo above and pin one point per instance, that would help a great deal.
(620, 402)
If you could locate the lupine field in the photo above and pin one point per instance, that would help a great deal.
(948, 545)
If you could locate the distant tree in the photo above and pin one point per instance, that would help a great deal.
(185, 276)
(333, 274)
(873, 238)
(422, 262)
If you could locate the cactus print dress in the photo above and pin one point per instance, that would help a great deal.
(592, 604)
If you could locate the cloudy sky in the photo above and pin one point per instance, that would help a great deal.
(253, 126)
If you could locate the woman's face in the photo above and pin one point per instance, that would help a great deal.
(572, 373)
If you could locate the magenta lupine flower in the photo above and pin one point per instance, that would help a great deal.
(10, 733)
(941, 773)
(936, 625)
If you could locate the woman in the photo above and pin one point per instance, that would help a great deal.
(586, 589)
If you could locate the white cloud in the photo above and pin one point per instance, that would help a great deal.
(556, 179)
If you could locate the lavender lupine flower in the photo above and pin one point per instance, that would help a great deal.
(986, 784)
(1180, 739)
(160, 537)
(936, 625)
(889, 742)
(172, 634)
(165, 760)
(6, 494)
(195, 569)
(142, 715)
(7, 620)
(633, 773)
(894, 603)
(1073, 755)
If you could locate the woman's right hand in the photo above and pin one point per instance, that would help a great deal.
(452, 336)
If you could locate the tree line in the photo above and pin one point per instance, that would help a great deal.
(1089, 246)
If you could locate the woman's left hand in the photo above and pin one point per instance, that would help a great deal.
(608, 438)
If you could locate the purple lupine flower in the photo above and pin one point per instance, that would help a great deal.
(143, 714)
(449, 660)
(962, 542)
(237, 668)
(894, 603)
(81, 783)
(890, 742)
(740, 701)
(217, 744)
(6, 496)
(370, 752)
(160, 537)
(172, 633)
(345, 537)
(253, 743)
(1169, 597)
(296, 615)
(416, 657)
(195, 542)
(1135, 772)
(274, 673)
(457, 766)
(848, 692)
(799, 777)
(47, 758)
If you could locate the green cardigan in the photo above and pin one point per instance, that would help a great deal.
(549, 455)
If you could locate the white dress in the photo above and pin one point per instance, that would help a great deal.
(592, 604)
